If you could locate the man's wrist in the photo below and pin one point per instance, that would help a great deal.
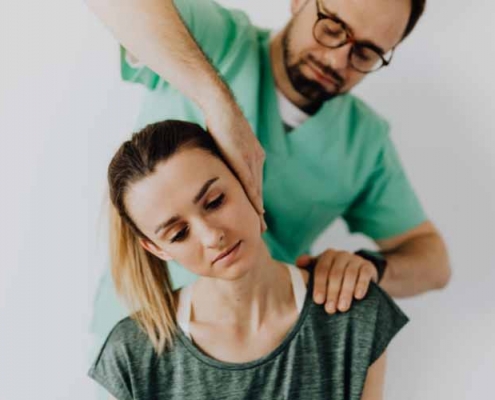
(376, 258)
(215, 96)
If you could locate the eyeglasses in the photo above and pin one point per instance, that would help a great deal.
(331, 32)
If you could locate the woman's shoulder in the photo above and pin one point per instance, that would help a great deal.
(378, 307)
(368, 327)
(127, 355)
(126, 330)
(124, 341)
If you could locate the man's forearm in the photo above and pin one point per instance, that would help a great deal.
(153, 31)
(418, 265)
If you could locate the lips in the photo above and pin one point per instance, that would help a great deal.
(221, 256)
(322, 77)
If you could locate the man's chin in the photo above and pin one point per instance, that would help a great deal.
(320, 96)
(315, 96)
(314, 92)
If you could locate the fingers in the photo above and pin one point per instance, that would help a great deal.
(321, 276)
(251, 188)
(258, 178)
(367, 274)
(348, 285)
(243, 152)
(304, 260)
(335, 281)
(339, 277)
(263, 225)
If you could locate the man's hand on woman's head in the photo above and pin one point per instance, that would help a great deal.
(339, 278)
(242, 150)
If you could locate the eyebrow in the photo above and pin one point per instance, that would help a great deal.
(204, 189)
(197, 198)
(334, 15)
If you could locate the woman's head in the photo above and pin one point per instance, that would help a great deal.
(173, 188)
(176, 198)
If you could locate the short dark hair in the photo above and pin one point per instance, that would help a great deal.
(417, 9)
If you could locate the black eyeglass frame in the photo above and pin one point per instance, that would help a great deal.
(349, 37)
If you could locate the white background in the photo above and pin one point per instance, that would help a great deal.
(63, 111)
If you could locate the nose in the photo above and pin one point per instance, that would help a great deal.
(338, 58)
(212, 236)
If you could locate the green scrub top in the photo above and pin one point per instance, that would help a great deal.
(339, 163)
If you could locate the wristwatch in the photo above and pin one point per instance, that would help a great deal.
(376, 258)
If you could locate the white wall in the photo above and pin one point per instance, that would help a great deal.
(63, 111)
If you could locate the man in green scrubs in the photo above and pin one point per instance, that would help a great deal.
(328, 154)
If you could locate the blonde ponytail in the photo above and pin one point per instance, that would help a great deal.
(143, 282)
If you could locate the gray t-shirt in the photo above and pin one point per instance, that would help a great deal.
(322, 357)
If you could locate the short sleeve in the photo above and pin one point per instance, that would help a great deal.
(387, 205)
(389, 320)
(111, 368)
(137, 72)
(214, 28)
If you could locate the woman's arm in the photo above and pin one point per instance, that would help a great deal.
(373, 386)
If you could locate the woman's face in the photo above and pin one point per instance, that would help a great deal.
(195, 211)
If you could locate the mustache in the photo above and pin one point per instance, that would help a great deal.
(327, 70)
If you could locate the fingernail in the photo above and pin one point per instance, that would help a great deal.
(342, 305)
(319, 298)
(330, 307)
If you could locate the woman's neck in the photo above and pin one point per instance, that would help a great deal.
(248, 302)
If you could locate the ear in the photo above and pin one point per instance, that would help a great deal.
(148, 245)
(297, 5)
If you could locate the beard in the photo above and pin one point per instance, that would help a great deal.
(311, 90)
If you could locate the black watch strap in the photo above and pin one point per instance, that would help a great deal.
(376, 258)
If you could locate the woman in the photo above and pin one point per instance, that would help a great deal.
(247, 328)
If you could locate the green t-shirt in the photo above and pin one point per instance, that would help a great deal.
(341, 162)
(322, 357)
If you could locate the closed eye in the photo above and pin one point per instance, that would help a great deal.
(361, 54)
(214, 204)
(180, 236)
(331, 32)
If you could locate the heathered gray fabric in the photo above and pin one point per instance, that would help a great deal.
(322, 357)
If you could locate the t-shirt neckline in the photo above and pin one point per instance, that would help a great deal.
(213, 362)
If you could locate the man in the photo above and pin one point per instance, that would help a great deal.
(328, 155)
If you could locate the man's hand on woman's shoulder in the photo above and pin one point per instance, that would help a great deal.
(339, 278)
